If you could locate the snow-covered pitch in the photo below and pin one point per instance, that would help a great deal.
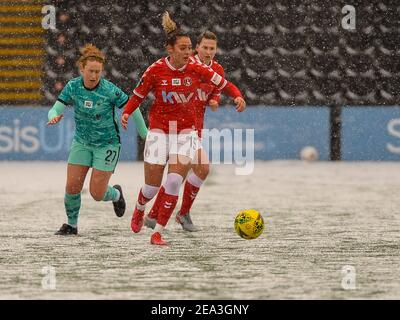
(332, 231)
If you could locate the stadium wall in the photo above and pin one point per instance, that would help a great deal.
(279, 132)
(25, 136)
(371, 133)
(368, 133)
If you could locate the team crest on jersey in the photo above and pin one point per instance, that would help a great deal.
(176, 82)
(88, 104)
(187, 81)
(164, 82)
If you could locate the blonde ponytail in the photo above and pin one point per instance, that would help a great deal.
(168, 24)
(171, 29)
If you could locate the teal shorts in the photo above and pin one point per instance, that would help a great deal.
(100, 158)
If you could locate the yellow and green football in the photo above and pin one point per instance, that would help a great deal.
(249, 224)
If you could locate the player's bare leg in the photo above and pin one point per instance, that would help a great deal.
(101, 191)
(99, 183)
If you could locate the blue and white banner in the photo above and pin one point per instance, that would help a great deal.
(25, 136)
(368, 133)
(371, 133)
(263, 133)
(271, 132)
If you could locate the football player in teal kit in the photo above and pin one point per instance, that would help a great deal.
(96, 142)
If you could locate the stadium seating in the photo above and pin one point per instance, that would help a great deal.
(280, 52)
(21, 52)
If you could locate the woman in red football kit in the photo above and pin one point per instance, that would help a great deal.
(172, 137)
(206, 49)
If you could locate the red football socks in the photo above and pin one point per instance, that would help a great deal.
(189, 194)
(167, 206)
(156, 205)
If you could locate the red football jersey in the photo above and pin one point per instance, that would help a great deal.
(175, 92)
(205, 93)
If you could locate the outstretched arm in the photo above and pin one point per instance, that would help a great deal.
(214, 99)
(132, 105)
(234, 92)
(121, 101)
(55, 114)
(140, 124)
(221, 83)
(139, 94)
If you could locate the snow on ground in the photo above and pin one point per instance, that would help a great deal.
(320, 217)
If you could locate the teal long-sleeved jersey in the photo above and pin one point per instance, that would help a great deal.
(96, 121)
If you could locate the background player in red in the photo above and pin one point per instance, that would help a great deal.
(172, 137)
(206, 49)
